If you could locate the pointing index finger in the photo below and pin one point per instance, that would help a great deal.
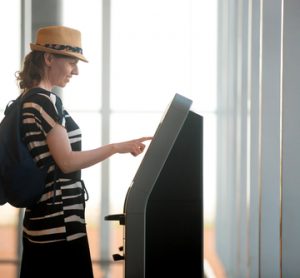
(146, 138)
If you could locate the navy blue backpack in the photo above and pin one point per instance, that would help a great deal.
(21, 181)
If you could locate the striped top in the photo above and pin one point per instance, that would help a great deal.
(59, 214)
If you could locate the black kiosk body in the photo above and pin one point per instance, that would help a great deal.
(163, 209)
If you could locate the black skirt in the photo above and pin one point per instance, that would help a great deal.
(59, 259)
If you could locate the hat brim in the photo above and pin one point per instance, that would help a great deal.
(35, 47)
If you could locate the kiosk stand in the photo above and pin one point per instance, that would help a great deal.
(163, 208)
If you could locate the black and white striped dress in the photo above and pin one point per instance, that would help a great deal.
(57, 221)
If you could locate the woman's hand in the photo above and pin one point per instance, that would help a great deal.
(135, 147)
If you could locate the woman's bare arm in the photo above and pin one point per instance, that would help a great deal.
(69, 161)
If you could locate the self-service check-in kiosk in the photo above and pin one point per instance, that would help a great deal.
(163, 208)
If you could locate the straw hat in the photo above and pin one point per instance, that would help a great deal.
(59, 40)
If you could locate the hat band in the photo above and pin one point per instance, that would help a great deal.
(64, 47)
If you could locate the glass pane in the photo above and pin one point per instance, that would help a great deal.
(8, 240)
(84, 91)
(160, 48)
(124, 166)
(10, 47)
(209, 166)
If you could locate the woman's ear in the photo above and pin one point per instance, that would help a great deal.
(48, 57)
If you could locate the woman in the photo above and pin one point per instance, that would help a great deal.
(55, 240)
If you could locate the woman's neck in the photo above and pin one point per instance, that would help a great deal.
(45, 85)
